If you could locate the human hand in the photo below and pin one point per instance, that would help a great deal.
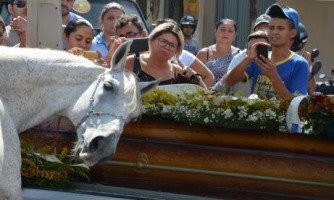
(76, 51)
(19, 24)
(115, 42)
(267, 67)
(252, 52)
(101, 61)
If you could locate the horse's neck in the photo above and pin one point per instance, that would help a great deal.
(36, 84)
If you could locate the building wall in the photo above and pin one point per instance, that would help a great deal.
(206, 22)
(238, 10)
(318, 17)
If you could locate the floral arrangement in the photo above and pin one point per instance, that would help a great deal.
(58, 170)
(190, 105)
(318, 114)
(217, 110)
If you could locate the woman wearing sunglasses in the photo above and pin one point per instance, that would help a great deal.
(16, 31)
(165, 42)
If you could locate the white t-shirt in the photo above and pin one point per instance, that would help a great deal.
(186, 58)
(237, 59)
(239, 89)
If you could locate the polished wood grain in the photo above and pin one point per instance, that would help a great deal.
(223, 163)
(263, 154)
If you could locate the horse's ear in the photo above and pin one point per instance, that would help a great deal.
(119, 57)
(145, 87)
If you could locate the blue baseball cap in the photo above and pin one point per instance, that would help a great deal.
(286, 12)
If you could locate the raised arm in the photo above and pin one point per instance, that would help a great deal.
(238, 73)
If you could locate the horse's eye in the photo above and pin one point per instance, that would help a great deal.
(108, 86)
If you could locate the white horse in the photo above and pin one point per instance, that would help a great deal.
(36, 84)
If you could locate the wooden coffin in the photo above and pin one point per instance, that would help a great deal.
(239, 164)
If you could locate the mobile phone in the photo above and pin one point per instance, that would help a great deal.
(139, 45)
(91, 55)
(263, 50)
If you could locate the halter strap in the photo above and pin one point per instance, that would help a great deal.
(91, 111)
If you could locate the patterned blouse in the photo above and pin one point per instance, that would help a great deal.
(220, 65)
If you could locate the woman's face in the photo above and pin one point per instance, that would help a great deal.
(82, 38)
(225, 33)
(165, 45)
(2, 36)
(108, 21)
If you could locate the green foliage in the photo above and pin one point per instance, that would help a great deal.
(36, 171)
(216, 110)
(212, 109)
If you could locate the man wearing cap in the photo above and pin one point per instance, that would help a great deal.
(262, 23)
(282, 74)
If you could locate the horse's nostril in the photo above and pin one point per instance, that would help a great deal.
(94, 144)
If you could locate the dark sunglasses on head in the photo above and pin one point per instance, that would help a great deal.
(20, 4)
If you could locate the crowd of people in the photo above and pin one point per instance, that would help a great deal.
(174, 55)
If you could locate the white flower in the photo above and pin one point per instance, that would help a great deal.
(242, 112)
(270, 114)
(227, 113)
(252, 118)
(166, 109)
(206, 120)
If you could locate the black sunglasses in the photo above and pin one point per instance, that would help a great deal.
(20, 4)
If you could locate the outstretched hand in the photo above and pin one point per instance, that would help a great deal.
(267, 67)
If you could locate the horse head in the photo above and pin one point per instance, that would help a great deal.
(113, 100)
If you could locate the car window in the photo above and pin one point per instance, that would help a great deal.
(131, 8)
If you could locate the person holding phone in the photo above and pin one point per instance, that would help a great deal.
(165, 42)
(78, 36)
(127, 27)
(189, 61)
(242, 88)
(282, 74)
